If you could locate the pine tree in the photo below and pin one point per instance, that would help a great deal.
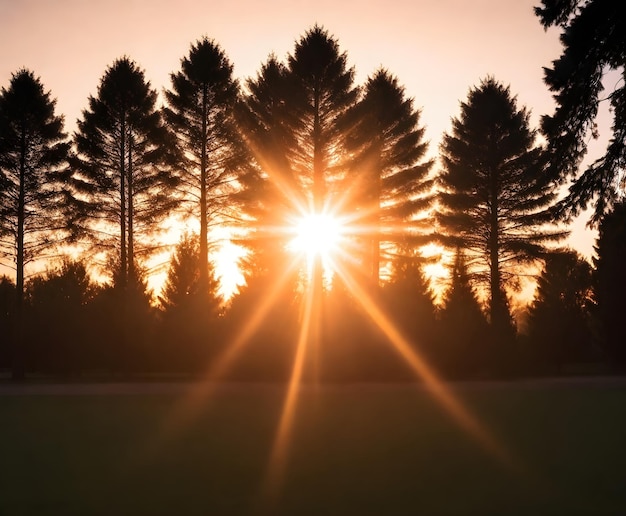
(271, 192)
(189, 310)
(559, 316)
(201, 113)
(182, 286)
(325, 92)
(389, 174)
(33, 159)
(7, 320)
(610, 283)
(593, 48)
(464, 339)
(122, 171)
(59, 328)
(409, 299)
(291, 119)
(494, 193)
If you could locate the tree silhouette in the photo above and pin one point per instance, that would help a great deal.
(33, 154)
(183, 278)
(409, 300)
(200, 111)
(189, 311)
(593, 46)
(271, 192)
(59, 328)
(389, 178)
(463, 347)
(325, 92)
(558, 322)
(494, 193)
(290, 117)
(122, 171)
(7, 320)
(610, 282)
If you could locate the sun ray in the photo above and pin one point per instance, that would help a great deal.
(196, 399)
(423, 371)
(278, 457)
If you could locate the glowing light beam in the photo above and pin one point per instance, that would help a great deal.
(443, 395)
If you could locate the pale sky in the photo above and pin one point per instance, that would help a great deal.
(438, 49)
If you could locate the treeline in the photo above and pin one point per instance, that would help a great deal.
(300, 137)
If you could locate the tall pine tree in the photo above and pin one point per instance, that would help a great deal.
(33, 156)
(271, 191)
(463, 346)
(610, 283)
(594, 47)
(494, 193)
(201, 112)
(559, 316)
(325, 92)
(123, 177)
(388, 181)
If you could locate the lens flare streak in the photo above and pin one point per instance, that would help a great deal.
(278, 457)
(422, 370)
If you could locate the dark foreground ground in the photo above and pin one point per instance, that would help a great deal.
(190, 449)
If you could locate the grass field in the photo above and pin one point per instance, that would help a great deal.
(355, 450)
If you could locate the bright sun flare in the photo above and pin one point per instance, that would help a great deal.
(316, 235)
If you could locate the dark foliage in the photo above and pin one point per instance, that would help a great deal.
(409, 302)
(122, 171)
(610, 283)
(290, 117)
(33, 158)
(324, 91)
(559, 331)
(463, 349)
(388, 184)
(7, 320)
(201, 113)
(59, 329)
(494, 194)
(261, 330)
(271, 193)
(189, 312)
(594, 44)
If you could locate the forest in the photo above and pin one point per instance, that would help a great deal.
(298, 142)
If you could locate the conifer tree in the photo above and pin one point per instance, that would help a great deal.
(290, 117)
(389, 173)
(463, 327)
(33, 159)
(593, 48)
(324, 93)
(59, 329)
(182, 285)
(201, 112)
(189, 310)
(610, 283)
(122, 171)
(494, 193)
(271, 192)
(559, 316)
(409, 299)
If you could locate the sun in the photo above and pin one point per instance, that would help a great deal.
(316, 234)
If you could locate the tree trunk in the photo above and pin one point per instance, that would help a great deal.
(318, 183)
(375, 215)
(496, 301)
(122, 171)
(18, 363)
(131, 240)
(317, 279)
(204, 223)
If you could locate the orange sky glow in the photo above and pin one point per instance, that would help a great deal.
(437, 48)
